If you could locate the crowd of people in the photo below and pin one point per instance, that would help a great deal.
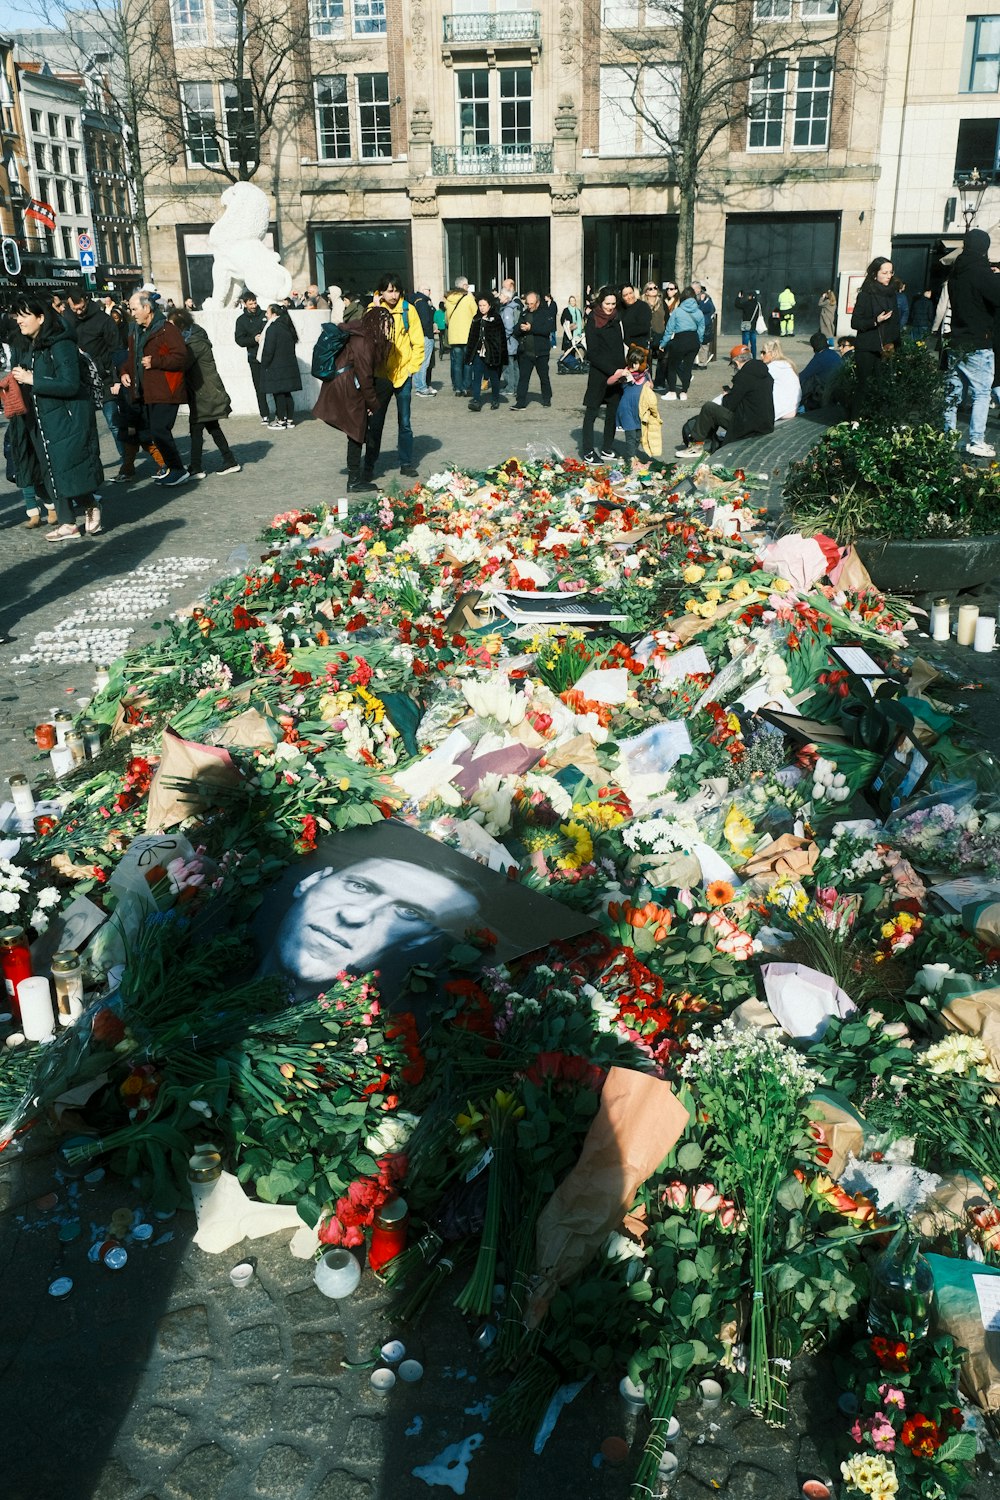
(138, 362)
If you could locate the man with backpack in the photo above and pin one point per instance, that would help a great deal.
(249, 332)
(425, 312)
(97, 337)
(459, 311)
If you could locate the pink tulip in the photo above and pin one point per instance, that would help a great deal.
(706, 1199)
(727, 1213)
(676, 1194)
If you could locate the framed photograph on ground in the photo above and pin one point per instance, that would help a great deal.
(532, 607)
(387, 897)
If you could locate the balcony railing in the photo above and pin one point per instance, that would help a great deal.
(487, 26)
(491, 161)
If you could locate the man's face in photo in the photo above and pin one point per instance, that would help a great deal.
(354, 918)
(628, 295)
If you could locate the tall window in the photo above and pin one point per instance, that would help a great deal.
(77, 198)
(369, 17)
(54, 125)
(818, 10)
(44, 189)
(200, 124)
(515, 106)
(190, 24)
(333, 118)
(36, 120)
(660, 86)
(56, 158)
(225, 21)
(241, 126)
(40, 156)
(772, 10)
(326, 18)
(73, 157)
(473, 107)
(374, 124)
(981, 57)
(67, 243)
(639, 111)
(813, 92)
(61, 196)
(767, 106)
(70, 124)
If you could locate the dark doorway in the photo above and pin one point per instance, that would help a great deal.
(354, 256)
(767, 252)
(912, 256)
(488, 253)
(617, 252)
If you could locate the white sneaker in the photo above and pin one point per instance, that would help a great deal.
(233, 469)
(683, 396)
(200, 475)
(981, 450)
(670, 396)
(694, 451)
(608, 454)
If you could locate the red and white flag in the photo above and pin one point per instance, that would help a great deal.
(43, 212)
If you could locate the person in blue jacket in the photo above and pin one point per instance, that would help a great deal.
(682, 339)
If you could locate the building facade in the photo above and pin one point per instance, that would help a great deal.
(52, 110)
(14, 177)
(109, 176)
(446, 139)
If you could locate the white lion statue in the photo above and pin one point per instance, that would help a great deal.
(240, 257)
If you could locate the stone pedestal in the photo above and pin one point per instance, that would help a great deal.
(232, 364)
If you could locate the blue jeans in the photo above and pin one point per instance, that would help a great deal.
(480, 371)
(749, 337)
(974, 370)
(420, 378)
(376, 423)
(111, 417)
(458, 381)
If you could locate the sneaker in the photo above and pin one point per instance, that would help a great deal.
(179, 476)
(200, 475)
(546, 403)
(160, 474)
(695, 450)
(980, 450)
(607, 455)
(520, 406)
(670, 396)
(276, 426)
(92, 521)
(265, 421)
(64, 534)
(475, 406)
(423, 393)
(494, 406)
(124, 476)
(233, 468)
(683, 396)
(289, 425)
(593, 457)
(361, 486)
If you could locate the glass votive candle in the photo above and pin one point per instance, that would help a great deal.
(241, 1275)
(940, 620)
(22, 796)
(710, 1394)
(34, 999)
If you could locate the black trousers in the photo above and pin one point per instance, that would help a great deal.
(160, 421)
(610, 422)
(373, 437)
(525, 364)
(712, 416)
(198, 430)
(257, 375)
(681, 353)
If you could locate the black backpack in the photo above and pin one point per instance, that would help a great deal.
(326, 350)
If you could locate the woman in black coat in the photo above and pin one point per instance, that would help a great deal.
(606, 358)
(54, 445)
(486, 352)
(875, 320)
(281, 375)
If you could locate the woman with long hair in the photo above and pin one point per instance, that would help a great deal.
(281, 368)
(681, 341)
(352, 394)
(669, 300)
(606, 357)
(787, 387)
(55, 446)
(875, 320)
(486, 352)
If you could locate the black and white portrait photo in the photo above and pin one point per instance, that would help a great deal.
(386, 898)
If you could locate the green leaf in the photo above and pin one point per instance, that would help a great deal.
(682, 1356)
(791, 1194)
(690, 1156)
(959, 1449)
(686, 1271)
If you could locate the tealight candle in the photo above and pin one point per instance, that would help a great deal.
(34, 998)
(968, 614)
(985, 640)
(710, 1394)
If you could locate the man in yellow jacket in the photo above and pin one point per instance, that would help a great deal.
(459, 310)
(394, 376)
(786, 307)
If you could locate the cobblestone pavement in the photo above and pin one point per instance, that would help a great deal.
(162, 1381)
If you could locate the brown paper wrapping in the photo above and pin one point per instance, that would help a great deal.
(841, 1132)
(786, 855)
(688, 626)
(852, 573)
(249, 730)
(210, 766)
(957, 1197)
(978, 1015)
(578, 752)
(639, 1120)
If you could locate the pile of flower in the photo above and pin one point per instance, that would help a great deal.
(706, 842)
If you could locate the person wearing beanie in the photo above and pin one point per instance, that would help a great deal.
(974, 298)
(746, 408)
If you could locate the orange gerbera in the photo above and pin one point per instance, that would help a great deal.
(719, 892)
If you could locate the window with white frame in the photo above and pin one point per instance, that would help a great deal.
(77, 198)
(369, 18)
(472, 86)
(326, 18)
(225, 20)
(374, 122)
(635, 15)
(200, 126)
(981, 56)
(54, 125)
(73, 159)
(638, 110)
(70, 124)
(818, 10)
(333, 118)
(813, 94)
(190, 22)
(619, 15)
(766, 126)
(241, 124)
(515, 107)
(772, 10)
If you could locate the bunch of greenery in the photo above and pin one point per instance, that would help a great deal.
(866, 480)
(906, 389)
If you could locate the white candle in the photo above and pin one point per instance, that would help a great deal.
(710, 1394)
(23, 798)
(342, 510)
(985, 638)
(968, 614)
(37, 1016)
(62, 760)
(940, 620)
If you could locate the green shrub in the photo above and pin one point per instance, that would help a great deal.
(860, 480)
(906, 388)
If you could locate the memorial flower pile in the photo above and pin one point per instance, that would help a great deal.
(609, 688)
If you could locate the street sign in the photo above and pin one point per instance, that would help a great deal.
(85, 242)
(88, 259)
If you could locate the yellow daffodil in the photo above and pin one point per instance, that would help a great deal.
(469, 1122)
(508, 1104)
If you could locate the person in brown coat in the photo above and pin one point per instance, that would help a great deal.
(154, 373)
(354, 393)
